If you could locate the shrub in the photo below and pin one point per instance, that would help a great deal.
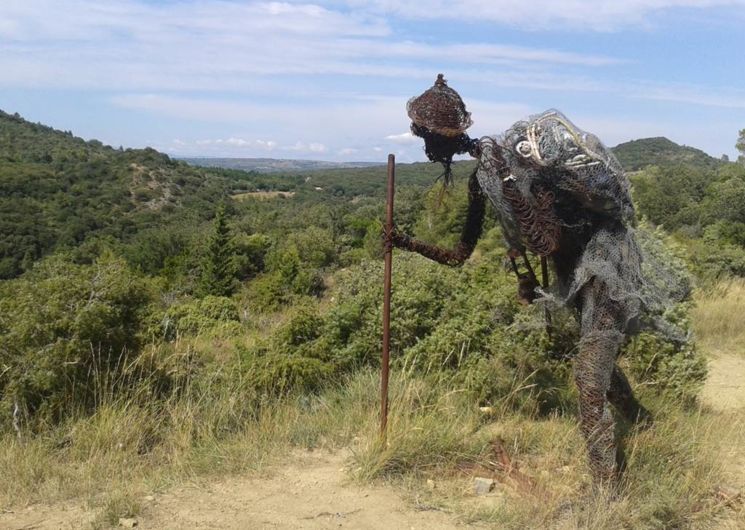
(674, 370)
(62, 325)
(194, 316)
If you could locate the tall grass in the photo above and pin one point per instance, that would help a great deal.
(438, 441)
(719, 315)
(135, 441)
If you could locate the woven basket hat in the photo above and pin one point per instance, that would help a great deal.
(440, 109)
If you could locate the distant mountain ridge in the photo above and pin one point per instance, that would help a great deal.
(633, 155)
(659, 151)
(273, 165)
(58, 191)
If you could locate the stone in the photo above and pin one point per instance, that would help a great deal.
(482, 486)
(127, 522)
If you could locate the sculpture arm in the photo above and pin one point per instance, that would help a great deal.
(468, 238)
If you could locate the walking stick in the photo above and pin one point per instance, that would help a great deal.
(388, 249)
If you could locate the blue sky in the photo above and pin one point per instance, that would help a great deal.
(330, 80)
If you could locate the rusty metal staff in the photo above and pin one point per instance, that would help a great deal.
(388, 249)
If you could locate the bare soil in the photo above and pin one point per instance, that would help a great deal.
(725, 385)
(312, 491)
(263, 195)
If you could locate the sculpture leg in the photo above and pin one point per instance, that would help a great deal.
(593, 368)
(602, 325)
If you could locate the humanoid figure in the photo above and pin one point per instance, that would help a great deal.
(560, 194)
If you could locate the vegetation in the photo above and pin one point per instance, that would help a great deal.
(638, 154)
(149, 317)
(716, 317)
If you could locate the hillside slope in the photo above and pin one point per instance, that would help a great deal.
(57, 191)
(638, 154)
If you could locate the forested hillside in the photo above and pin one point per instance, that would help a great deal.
(58, 191)
(698, 199)
(61, 192)
(638, 154)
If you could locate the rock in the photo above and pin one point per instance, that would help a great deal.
(482, 486)
(127, 522)
(149, 498)
(729, 495)
(430, 483)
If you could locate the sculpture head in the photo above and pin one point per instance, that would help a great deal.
(440, 118)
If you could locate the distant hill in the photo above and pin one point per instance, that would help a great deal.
(59, 191)
(633, 155)
(274, 165)
(637, 154)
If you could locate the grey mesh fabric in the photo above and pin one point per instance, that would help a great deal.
(588, 220)
(561, 194)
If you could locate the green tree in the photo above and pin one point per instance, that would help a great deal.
(740, 145)
(218, 267)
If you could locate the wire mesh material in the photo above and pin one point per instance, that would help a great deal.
(440, 109)
(560, 193)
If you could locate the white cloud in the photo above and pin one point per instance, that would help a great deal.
(728, 99)
(584, 15)
(218, 45)
(313, 147)
(288, 77)
(237, 146)
(403, 138)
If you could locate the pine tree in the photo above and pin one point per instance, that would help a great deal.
(218, 267)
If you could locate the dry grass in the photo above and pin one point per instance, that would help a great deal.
(719, 316)
(128, 449)
(263, 195)
(136, 445)
(438, 445)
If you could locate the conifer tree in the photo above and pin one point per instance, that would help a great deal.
(218, 267)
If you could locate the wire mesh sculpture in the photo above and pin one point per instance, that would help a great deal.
(560, 194)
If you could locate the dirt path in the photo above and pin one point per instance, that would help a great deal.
(312, 492)
(725, 386)
(724, 393)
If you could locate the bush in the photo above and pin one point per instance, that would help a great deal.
(670, 369)
(192, 317)
(466, 326)
(61, 325)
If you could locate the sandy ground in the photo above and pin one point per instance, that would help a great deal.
(725, 386)
(313, 491)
